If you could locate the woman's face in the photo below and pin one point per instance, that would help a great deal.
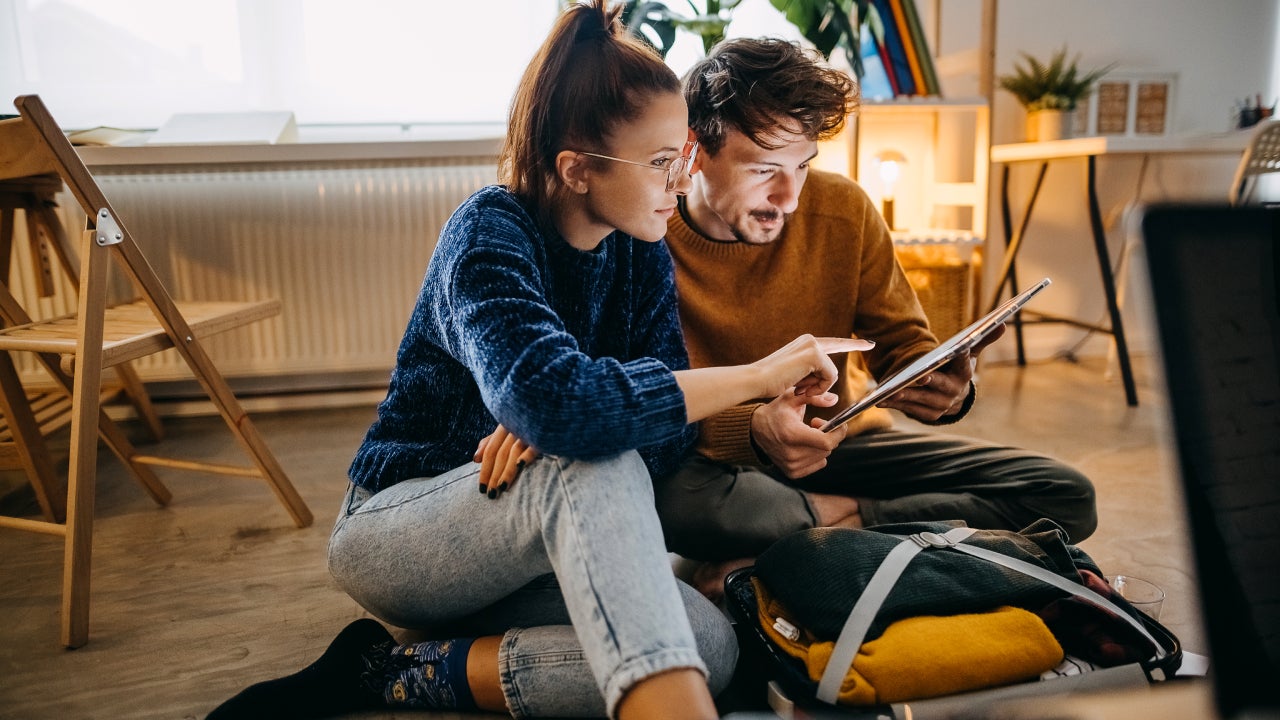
(634, 198)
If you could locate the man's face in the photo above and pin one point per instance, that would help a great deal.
(745, 192)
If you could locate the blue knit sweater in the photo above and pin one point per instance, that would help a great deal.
(571, 351)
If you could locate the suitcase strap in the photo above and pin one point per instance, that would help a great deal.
(895, 563)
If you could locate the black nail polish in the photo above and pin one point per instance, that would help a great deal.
(483, 489)
(502, 487)
(493, 494)
(520, 464)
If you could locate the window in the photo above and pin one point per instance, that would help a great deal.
(133, 63)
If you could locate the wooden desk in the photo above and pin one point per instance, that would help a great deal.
(1089, 148)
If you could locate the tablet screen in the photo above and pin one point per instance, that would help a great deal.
(939, 356)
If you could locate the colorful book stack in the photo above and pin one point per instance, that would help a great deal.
(895, 56)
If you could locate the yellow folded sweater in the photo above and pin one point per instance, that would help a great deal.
(927, 656)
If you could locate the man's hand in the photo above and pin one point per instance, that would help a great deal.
(796, 448)
(501, 456)
(943, 391)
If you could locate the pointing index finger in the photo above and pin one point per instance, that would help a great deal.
(831, 345)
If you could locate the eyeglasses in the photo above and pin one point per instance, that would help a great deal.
(674, 169)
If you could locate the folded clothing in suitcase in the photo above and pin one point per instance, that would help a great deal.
(896, 613)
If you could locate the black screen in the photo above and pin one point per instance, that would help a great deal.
(1214, 277)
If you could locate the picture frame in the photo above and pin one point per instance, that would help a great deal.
(1128, 104)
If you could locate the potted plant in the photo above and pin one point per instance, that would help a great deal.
(656, 24)
(1050, 92)
(828, 24)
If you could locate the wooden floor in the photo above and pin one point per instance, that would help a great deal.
(194, 601)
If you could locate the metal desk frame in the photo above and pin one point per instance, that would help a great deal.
(1089, 148)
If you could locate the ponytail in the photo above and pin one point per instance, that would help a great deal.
(588, 76)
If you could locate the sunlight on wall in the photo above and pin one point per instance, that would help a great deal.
(132, 63)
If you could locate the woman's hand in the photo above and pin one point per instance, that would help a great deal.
(501, 456)
(800, 367)
(804, 364)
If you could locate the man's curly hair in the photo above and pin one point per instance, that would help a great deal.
(763, 87)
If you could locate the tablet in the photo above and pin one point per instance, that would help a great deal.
(939, 356)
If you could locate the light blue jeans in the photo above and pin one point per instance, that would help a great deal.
(568, 565)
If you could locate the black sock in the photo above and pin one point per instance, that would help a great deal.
(348, 677)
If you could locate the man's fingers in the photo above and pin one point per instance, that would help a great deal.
(991, 337)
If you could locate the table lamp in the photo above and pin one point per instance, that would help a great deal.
(890, 170)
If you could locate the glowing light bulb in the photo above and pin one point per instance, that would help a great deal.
(891, 162)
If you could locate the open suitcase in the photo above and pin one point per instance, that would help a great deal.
(849, 585)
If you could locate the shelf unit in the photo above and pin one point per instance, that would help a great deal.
(940, 198)
(941, 194)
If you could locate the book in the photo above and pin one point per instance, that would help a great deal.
(874, 83)
(248, 128)
(916, 29)
(875, 30)
(104, 136)
(899, 68)
(908, 45)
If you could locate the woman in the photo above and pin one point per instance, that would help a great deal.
(547, 320)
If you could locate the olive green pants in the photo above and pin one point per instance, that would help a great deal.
(711, 511)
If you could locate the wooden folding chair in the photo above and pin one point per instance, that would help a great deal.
(50, 272)
(75, 349)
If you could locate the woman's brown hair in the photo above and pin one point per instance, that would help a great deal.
(763, 87)
(588, 76)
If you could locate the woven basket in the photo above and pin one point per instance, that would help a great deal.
(944, 281)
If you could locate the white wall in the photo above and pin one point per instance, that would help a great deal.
(1222, 51)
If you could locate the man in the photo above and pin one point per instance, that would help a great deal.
(767, 249)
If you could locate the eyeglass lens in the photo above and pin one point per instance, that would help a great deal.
(674, 170)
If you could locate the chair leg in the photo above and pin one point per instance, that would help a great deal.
(88, 421)
(244, 431)
(29, 443)
(83, 470)
(111, 433)
(288, 496)
(82, 474)
(140, 399)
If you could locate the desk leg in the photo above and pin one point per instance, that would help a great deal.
(1013, 241)
(1109, 284)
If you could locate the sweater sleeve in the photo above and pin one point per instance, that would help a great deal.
(657, 334)
(726, 437)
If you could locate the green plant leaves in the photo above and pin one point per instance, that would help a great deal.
(1058, 85)
(829, 24)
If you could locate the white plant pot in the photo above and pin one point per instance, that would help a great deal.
(1045, 125)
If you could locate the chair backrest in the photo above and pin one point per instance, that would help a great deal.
(22, 153)
(1261, 157)
(47, 146)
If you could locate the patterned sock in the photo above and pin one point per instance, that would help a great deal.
(430, 674)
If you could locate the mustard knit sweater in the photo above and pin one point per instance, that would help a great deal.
(832, 273)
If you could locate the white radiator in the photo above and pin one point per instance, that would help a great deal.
(343, 246)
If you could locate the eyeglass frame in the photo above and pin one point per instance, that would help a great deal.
(682, 161)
